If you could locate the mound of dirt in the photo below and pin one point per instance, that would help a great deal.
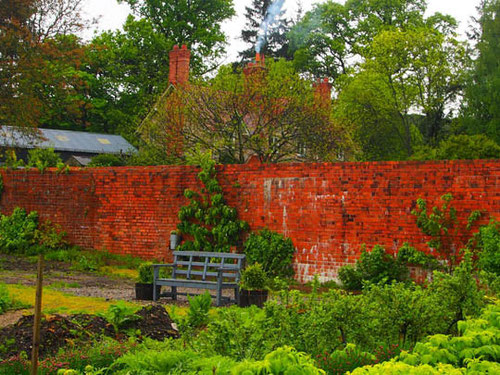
(155, 323)
(57, 330)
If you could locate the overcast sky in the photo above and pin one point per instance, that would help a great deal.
(113, 15)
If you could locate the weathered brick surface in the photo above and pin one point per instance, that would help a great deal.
(329, 210)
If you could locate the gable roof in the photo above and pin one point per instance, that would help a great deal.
(65, 140)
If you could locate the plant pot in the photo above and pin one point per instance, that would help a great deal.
(175, 240)
(145, 291)
(252, 297)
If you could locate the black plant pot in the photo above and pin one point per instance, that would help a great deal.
(145, 291)
(252, 297)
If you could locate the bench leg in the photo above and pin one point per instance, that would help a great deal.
(237, 295)
(174, 293)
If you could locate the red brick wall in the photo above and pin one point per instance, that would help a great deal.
(329, 210)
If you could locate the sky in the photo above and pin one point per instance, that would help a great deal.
(112, 16)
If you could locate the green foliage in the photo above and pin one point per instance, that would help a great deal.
(11, 160)
(85, 359)
(487, 242)
(347, 359)
(253, 277)
(481, 112)
(273, 251)
(409, 255)
(50, 236)
(199, 306)
(145, 273)
(458, 293)
(478, 339)
(373, 267)
(5, 300)
(17, 231)
(166, 361)
(43, 158)
(460, 147)
(120, 315)
(207, 220)
(285, 360)
(442, 225)
(106, 160)
(237, 333)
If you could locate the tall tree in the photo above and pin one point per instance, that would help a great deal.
(196, 23)
(332, 37)
(38, 64)
(404, 91)
(268, 112)
(482, 104)
(275, 39)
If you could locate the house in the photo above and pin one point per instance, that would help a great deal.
(275, 126)
(75, 148)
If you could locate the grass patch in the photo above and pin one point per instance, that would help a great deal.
(54, 301)
(63, 285)
(119, 272)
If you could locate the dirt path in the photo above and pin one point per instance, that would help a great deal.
(60, 276)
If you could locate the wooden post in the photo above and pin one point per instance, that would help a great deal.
(37, 317)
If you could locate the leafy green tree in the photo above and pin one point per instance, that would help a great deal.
(39, 63)
(128, 69)
(209, 222)
(482, 104)
(196, 23)
(448, 236)
(332, 36)
(460, 147)
(275, 39)
(271, 113)
(401, 96)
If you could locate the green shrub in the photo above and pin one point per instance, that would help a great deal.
(457, 294)
(273, 251)
(120, 315)
(199, 306)
(17, 231)
(409, 255)
(461, 147)
(253, 277)
(145, 273)
(448, 236)
(236, 332)
(373, 267)
(43, 158)
(50, 236)
(106, 160)
(488, 246)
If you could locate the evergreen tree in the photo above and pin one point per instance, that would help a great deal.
(276, 39)
(482, 111)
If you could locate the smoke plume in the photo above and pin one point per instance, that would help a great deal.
(272, 12)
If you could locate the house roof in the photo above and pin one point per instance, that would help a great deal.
(65, 140)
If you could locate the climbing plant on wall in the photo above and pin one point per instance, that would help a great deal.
(207, 221)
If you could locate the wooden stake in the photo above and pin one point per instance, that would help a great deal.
(37, 317)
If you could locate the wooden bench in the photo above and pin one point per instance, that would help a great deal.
(201, 270)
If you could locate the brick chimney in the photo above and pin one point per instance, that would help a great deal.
(258, 66)
(323, 92)
(179, 65)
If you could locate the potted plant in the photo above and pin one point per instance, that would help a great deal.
(253, 286)
(175, 239)
(144, 285)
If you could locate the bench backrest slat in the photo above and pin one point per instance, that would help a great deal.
(203, 254)
(205, 264)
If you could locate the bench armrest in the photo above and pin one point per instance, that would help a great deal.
(162, 265)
